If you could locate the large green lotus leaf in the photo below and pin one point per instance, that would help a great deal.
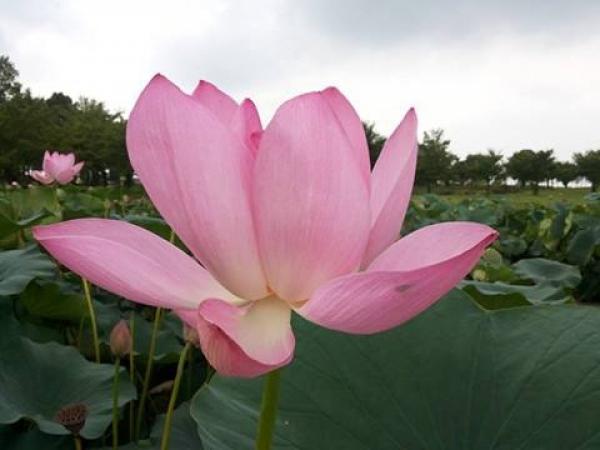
(540, 270)
(457, 377)
(493, 297)
(184, 433)
(19, 267)
(8, 225)
(168, 346)
(12, 328)
(11, 439)
(28, 202)
(512, 246)
(37, 380)
(78, 204)
(503, 295)
(54, 301)
(582, 245)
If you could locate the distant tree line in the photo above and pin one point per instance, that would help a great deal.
(437, 165)
(30, 125)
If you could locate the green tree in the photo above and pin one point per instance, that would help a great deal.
(484, 167)
(375, 141)
(530, 167)
(435, 161)
(30, 125)
(565, 172)
(588, 164)
(460, 172)
(546, 165)
(9, 86)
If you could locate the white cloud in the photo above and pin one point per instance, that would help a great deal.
(507, 84)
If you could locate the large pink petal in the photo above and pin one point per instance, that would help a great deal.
(197, 172)
(246, 124)
(247, 341)
(352, 126)
(131, 262)
(310, 199)
(392, 182)
(215, 100)
(403, 281)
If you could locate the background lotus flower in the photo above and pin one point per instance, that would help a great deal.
(282, 220)
(57, 167)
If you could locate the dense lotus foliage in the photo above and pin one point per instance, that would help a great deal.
(521, 315)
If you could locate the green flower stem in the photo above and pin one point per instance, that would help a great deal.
(59, 212)
(20, 238)
(149, 365)
(268, 411)
(77, 441)
(190, 378)
(90, 305)
(166, 434)
(115, 405)
(132, 376)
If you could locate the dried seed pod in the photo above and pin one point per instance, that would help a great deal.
(72, 417)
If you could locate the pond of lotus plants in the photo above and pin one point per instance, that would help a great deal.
(509, 359)
(266, 289)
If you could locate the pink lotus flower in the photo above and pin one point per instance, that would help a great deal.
(57, 167)
(285, 219)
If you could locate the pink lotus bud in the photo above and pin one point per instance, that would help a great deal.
(120, 339)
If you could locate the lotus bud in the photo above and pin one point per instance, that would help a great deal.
(120, 339)
(479, 275)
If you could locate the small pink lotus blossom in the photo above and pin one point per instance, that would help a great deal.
(284, 219)
(57, 167)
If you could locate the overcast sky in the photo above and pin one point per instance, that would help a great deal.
(494, 74)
